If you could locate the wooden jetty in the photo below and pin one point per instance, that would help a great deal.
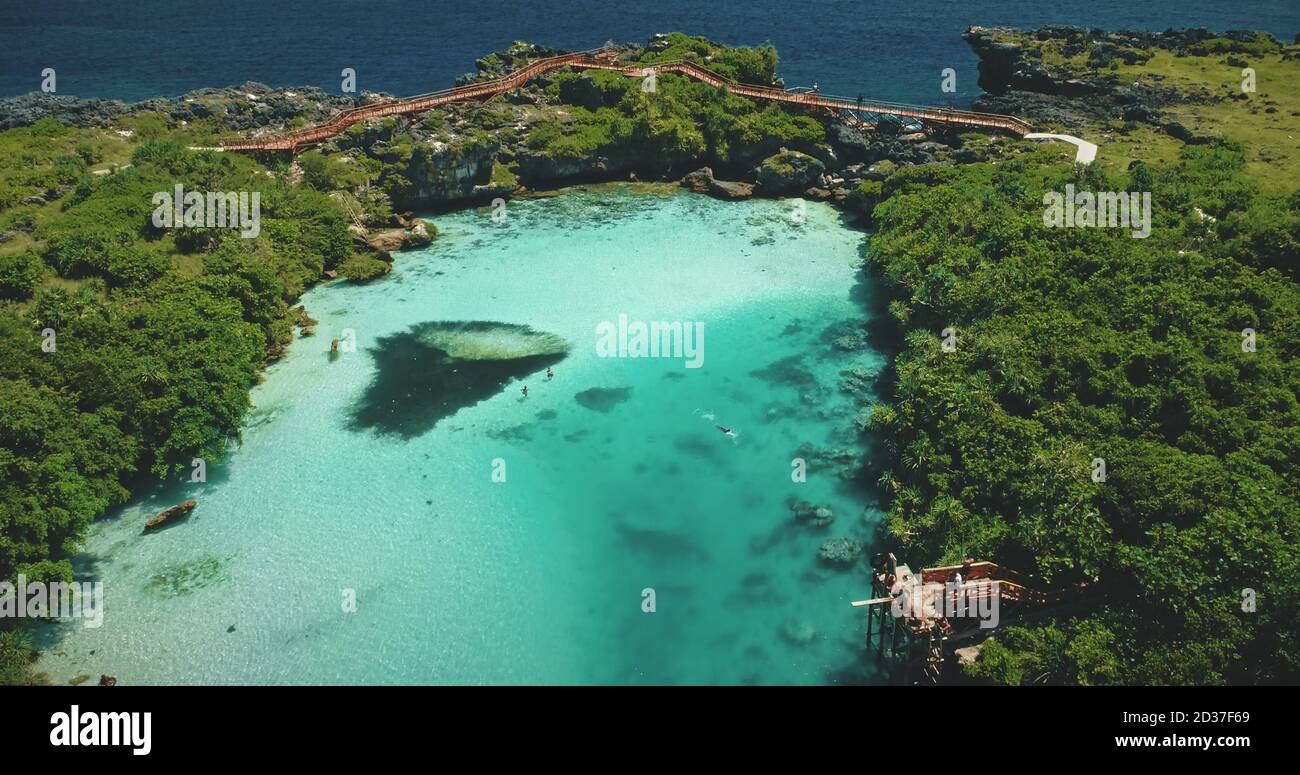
(916, 621)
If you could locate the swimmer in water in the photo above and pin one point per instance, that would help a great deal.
(549, 373)
(525, 391)
(727, 431)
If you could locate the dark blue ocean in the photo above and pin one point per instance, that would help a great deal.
(891, 50)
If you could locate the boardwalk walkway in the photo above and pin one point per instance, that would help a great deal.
(605, 60)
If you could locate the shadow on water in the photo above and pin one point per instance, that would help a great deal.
(603, 399)
(435, 369)
(663, 545)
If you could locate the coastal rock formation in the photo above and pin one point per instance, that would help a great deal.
(535, 137)
(1065, 75)
(788, 172)
(481, 341)
(305, 322)
(241, 108)
(27, 109)
(731, 189)
(418, 236)
(386, 240)
(585, 92)
(702, 181)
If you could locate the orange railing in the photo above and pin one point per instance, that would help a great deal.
(292, 141)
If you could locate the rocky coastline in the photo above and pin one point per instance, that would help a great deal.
(1061, 76)
(538, 138)
(459, 155)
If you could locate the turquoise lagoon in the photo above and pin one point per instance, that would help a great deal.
(358, 477)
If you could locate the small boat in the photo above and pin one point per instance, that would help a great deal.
(171, 515)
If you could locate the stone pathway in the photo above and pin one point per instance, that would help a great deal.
(1087, 151)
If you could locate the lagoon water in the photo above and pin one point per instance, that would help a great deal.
(372, 474)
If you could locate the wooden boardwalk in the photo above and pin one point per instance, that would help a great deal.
(605, 60)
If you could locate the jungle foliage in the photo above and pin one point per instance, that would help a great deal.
(1077, 344)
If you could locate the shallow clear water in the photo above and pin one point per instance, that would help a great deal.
(540, 578)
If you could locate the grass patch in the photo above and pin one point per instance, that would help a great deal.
(1273, 138)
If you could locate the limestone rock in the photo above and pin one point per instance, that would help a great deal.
(788, 171)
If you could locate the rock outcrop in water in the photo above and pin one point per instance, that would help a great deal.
(435, 369)
(840, 551)
(702, 181)
(788, 172)
(817, 516)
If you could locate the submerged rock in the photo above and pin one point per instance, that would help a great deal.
(859, 381)
(603, 399)
(788, 371)
(436, 369)
(846, 462)
(840, 551)
(184, 578)
(798, 631)
(817, 516)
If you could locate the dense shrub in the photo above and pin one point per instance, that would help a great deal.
(1075, 344)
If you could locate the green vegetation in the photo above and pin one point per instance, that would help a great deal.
(1263, 121)
(157, 334)
(681, 119)
(363, 268)
(1075, 344)
(1209, 75)
(17, 654)
(739, 63)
